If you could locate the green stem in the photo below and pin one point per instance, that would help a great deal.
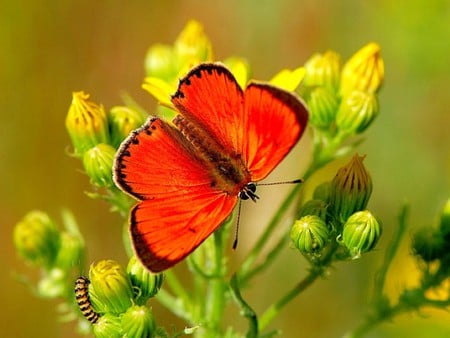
(215, 298)
(391, 251)
(262, 241)
(315, 272)
(275, 308)
(173, 304)
(177, 288)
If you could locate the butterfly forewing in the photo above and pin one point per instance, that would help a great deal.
(275, 120)
(259, 125)
(180, 208)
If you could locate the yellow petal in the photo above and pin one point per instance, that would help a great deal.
(160, 90)
(288, 79)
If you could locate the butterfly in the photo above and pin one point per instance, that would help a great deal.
(189, 174)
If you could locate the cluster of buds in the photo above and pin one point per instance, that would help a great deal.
(337, 212)
(56, 253)
(343, 99)
(166, 64)
(117, 297)
(96, 135)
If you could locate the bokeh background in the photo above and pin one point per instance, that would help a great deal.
(50, 48)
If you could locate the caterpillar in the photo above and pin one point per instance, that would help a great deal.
(82, 298)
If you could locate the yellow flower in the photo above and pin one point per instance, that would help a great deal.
(165, 65)
(110, 289)
(364, 71)
(356, 112)
(323, 70)
(86, 123)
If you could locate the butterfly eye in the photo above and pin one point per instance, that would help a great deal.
(249, 192)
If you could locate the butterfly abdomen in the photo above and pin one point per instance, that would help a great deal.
(83, 301)
(228, 172)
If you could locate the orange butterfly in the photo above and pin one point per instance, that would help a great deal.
(189, 174)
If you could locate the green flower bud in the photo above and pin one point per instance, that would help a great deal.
(356, 112)
(108, 326)
(145, 283)
(122, 121)
(98, 162)
(110, 290)
(322, 104)
(361, 233)
(309, 234)
(322, 191)
(71, 251)
(159, 62)
(428, 244)
(192, 46)
(350, 189)
(364, 71)
(86, 123)
(37, 239)
(314, 207)
(323, 70)
(138, 322)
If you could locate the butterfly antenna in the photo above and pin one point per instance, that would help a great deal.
(236, 233)
(297, 181)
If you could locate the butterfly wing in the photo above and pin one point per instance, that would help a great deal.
(179, 209)
(274, 120)
(260, 125)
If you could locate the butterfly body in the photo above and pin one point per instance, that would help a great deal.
(189, 174)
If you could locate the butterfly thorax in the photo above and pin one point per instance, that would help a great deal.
(228, 172)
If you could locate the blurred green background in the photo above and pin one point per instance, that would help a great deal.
(50, 48)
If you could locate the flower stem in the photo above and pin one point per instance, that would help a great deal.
(275, 308)
(391, 251)
(215, 297)
(316, 271)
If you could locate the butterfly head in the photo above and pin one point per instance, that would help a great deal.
(248, 192)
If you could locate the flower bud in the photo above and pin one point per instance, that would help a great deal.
(322, 191)
(350, 189)
(323, 70)
(444, 224)
(71, 251)
(145, 283)
(53, 284)
(356, 112)
(108, 326)
(86, 123)
(309, 234)
(122, 121)
(138, 322)
(37, 239)
(364, 71)
(159, 62)
(322, 104)
(361, 233)
(98, 162)
(429, 244)
(314, 207)
(110, 290)
(192, 46)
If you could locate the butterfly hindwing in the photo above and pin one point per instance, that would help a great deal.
(164, 231)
